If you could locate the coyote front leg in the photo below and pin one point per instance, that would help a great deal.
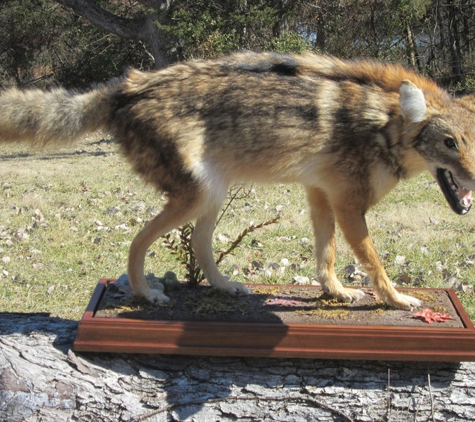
(201, 242)
(323, 221)
(353, 224)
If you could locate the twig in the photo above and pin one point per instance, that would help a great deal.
(408, 408)
(242, 235)
(389, 395)
(431, 398)
(419, 402)
(233, 196)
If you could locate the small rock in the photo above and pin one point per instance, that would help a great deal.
(122, 280)
(439, 267)
(235, 269)
(154, 282)
(285, 262)
(352, 273)
(170, 281)
(298, 279)
(38, 216)
(122, 227)
(465, 287)
(400, 260)
(452, 281)
(135, 221)
(223, 238)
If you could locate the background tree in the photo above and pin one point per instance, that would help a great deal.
(139, 26)
(203, 28)
(77, 42)
(42, 42)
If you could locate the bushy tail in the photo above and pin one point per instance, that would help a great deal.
(56, 116)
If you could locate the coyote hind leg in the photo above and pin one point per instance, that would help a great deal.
(175, 213)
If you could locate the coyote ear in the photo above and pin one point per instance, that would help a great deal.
(412, 102)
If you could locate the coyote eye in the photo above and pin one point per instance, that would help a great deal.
(450, 143)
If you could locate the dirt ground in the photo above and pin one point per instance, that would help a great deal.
(274, 304)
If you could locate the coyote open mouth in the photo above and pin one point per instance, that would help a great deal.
(459, 198)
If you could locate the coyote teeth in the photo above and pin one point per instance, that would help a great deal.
(451, 180)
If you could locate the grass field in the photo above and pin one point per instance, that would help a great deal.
(67, 218)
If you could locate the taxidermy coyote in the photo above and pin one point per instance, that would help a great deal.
(348, 131)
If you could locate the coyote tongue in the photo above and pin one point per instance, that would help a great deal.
(465, 197)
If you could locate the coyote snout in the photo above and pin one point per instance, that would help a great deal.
(347, 131)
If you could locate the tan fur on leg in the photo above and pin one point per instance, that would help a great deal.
(353, 225)
(323, 221)
(175, 213)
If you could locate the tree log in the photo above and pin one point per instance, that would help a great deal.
(42, 379)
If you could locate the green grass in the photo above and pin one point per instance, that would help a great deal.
(68, 217)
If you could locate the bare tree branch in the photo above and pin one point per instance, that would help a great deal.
(142, 29)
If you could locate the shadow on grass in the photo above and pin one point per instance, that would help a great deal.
(23, 156)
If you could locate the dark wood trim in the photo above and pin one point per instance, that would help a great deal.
(274, 340)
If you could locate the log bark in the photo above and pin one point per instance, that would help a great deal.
(42, 379)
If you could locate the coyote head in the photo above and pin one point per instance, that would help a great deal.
(446, 140)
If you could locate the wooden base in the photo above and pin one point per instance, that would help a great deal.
(331, 341)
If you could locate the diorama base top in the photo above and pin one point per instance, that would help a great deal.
(106, 327)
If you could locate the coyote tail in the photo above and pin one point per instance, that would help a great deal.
(53, 117)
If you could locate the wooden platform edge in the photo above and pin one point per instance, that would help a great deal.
(122, 335)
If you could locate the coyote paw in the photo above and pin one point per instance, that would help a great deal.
(404, 302)
(233, 288)
(347, 295)
(156, 297)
